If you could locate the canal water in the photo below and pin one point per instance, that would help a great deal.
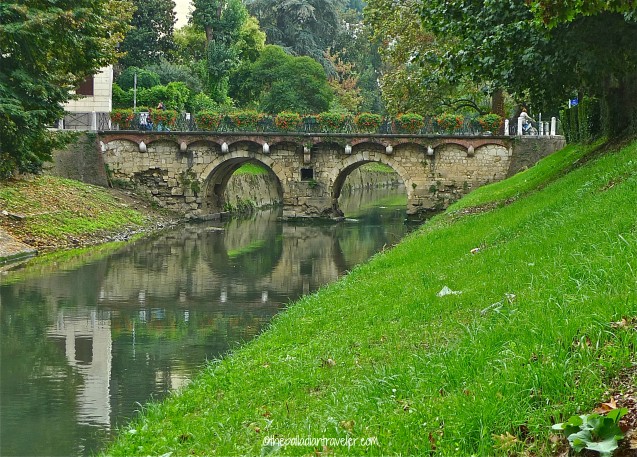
(88, 337)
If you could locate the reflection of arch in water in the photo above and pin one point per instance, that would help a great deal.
(253, 245)
(367, 152)
(217, 174)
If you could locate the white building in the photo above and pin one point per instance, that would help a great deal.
(92, 108)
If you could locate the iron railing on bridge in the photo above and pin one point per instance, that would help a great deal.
(185, 122)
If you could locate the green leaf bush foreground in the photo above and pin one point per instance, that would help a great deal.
(473, 336)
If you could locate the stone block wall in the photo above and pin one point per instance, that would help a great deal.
(80, 161)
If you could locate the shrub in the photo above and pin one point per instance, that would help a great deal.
(246, 120)
(333, 122)
(123, 118)
(287, 121)
(490, 122)
(122, 98)
(449, 123)
(177, 94)
(167, 118)
(368, 122)
(409, 122)
(203, 102)
(208, 120)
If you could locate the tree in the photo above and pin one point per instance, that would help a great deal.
(356, 46)
(190, 45)
(281, 82)
(251, 40)
(47, 50)
(169, 72)
(507, 45)
(145, 78)
(151, 36)
(408, 82)
(301, 27)
(222, 21)
(344, 84)
(597, 39)
(497, 44)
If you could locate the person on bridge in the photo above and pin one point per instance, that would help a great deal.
(527, 122)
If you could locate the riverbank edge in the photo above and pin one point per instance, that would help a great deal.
(14, 250)
(283, 385)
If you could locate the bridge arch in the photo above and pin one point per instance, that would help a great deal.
(216, 175)
(352, 162)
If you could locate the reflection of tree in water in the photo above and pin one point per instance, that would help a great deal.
(377, 226)
(165, 350)
(170, 302)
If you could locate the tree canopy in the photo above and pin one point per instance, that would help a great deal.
(151, 35)
(301, 27)
(586, 47)
(47, 50)
(281, 82)
(552, 12)
(221, 21)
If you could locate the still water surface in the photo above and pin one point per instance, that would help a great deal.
(87, 339)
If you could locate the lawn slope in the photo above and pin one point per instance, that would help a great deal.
(526, 338)
(52, 213)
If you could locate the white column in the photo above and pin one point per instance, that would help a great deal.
(520, 120)
(553, 126)
(506, 127)
(541, 128)
(93, 121)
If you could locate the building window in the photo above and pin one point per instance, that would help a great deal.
(86, 87)
(84, 350)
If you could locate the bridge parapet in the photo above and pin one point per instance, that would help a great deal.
(188, 171)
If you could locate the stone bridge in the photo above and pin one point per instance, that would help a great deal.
(188, 172)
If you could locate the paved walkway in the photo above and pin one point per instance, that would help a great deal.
(12, 249)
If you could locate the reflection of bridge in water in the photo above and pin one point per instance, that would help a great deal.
(277, 261)
(189, 171)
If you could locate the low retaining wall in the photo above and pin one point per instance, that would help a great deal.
(79, 161)
(529, 151)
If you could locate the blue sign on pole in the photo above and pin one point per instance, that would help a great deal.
(573, 102)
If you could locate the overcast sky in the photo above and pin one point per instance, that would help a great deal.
(182, 8)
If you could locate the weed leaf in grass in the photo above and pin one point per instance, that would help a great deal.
(571, 426)
(594, 432)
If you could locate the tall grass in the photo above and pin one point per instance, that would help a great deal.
(526, 340)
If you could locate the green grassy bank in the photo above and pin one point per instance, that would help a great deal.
(56, 213)
(527, 339)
